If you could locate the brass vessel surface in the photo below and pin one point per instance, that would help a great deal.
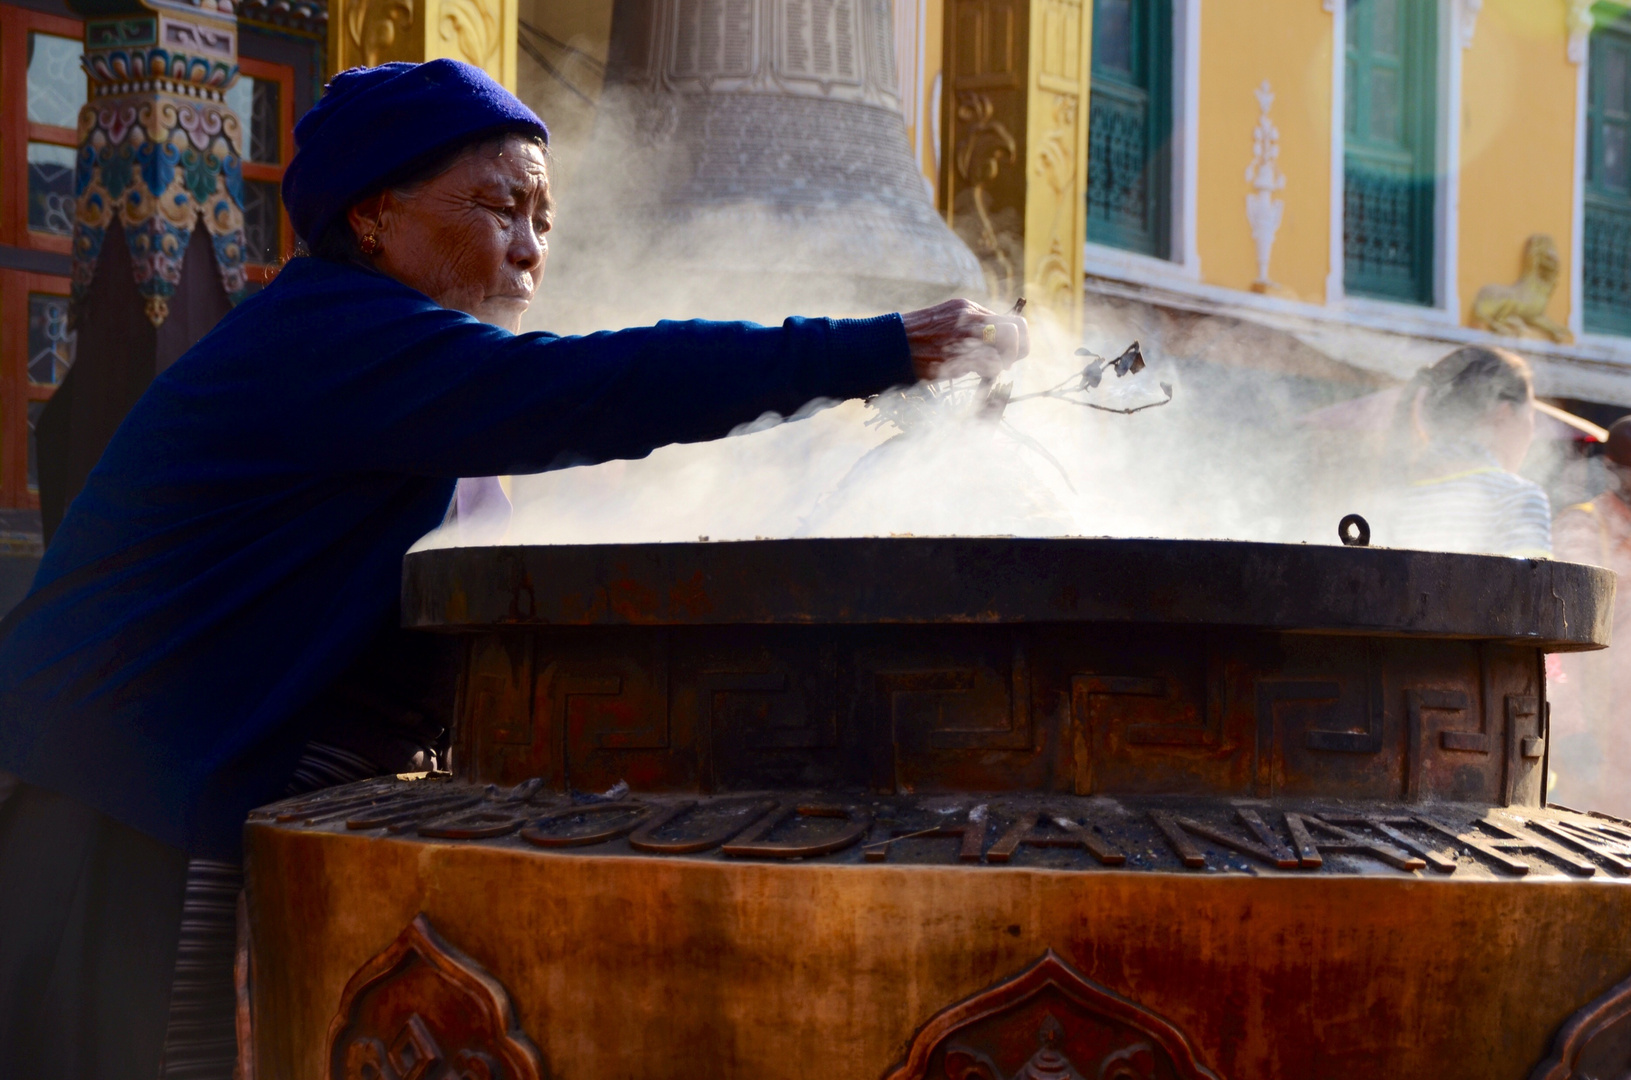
(964, 808)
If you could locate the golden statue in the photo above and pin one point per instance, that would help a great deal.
(1519, 309)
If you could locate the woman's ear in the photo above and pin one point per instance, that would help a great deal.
(367, 217)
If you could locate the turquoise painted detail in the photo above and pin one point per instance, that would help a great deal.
(1391, 134)
(1129, 169)
(1607, 255)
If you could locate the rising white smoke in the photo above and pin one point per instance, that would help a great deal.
(1226, 459)
(1223, 460)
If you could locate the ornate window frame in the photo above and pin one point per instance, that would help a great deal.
(31, 263)
(1457, 20)
(265, 172)
(1578, 14)
(1184, 262)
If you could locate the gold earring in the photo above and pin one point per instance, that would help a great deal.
(370, 245)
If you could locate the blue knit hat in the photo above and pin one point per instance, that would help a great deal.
(371, 122)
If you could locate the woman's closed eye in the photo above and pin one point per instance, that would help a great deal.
(508, 212)
(505, 212)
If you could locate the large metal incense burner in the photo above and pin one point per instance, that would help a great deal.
(964, 808)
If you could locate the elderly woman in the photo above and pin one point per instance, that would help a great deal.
(222, 593)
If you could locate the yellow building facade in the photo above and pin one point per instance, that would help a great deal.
(1383, 178)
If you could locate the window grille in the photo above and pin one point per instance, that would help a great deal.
(1607, 198)
(42, 90)
(1129, 178)
(50, 342)
(1390, 134)
(263, 99)
(263, 222)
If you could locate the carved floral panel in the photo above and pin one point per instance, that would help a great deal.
(1050, 1021)
(422, 1010)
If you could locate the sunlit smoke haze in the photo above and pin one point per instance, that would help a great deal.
(1229, 457)
(1224, 459)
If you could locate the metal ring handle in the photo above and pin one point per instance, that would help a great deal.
(1354, 531)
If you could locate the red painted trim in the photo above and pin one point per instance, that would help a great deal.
(283, 75)
(15, 285)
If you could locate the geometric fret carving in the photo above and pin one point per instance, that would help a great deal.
(609, 711)
(568, 687)
(954, 708)
(1049, 1021)
(1368, 741)
(763, 711)
(1525, 746)
(1001, 708)
(1418, 702)
(1271, 695)
(500, 687)
(423, 1010)
(1113, 715)
(1147, 733)
(934, 717)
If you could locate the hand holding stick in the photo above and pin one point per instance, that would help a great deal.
(959, 337)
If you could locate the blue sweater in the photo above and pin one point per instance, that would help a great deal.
(242, 537)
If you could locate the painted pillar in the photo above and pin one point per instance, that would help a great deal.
(1056, 154)
(160, 152)
(364, 33)
(1014, 143)
(158, 244)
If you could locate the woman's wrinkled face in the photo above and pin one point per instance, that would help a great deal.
(474, 238)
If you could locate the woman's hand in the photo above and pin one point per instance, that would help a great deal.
(960, 336)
